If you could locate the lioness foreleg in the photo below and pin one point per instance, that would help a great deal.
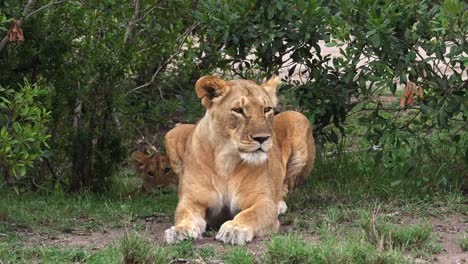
(190, 221)
(259, 219)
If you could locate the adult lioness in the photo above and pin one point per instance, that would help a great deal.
(291, 132)
(231, 164)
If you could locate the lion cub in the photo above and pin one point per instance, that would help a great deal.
(233, 163)
(154, 170)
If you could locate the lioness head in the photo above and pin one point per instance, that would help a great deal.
(241, 112)
(154, 170)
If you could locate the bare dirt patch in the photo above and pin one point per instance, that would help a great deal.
(71, 238)
(449, 230)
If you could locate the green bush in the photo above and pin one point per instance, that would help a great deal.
(24, 128)
(117, 74)
(382, 44)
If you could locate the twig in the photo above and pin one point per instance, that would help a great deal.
(42, 8)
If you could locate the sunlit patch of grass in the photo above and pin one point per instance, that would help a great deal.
(239, 255)
(293, 249)
(57, 211)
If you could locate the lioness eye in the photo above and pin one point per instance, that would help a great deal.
(238, 110)
(167, 170)
(267, 109)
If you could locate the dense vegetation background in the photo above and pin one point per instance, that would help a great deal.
(82, 81)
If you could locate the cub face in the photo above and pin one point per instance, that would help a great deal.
(241, 112)
(154, 170)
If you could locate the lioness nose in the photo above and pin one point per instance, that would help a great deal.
(261, 139)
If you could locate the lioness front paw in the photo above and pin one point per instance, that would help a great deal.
(179, 233)
(235, 234)
(282, 207)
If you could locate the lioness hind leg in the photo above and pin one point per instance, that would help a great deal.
(190, 222)
(295, 166)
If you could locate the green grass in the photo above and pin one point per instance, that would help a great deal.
(136, 249)
(59, 212)
(348, 212)
(12, 253)
(293, 249)
(417, 238)
(463, 242)
(240, 255)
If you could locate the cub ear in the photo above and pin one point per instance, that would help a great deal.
(138, 158)
(208, 88)
(271, 86)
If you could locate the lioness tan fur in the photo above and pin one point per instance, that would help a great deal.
(174, 142)
(292, 133)
(231, 164)
(154, 170)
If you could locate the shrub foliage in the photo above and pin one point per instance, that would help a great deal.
(121, 70)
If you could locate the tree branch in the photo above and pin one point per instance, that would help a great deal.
(42, 8)
(26, 15)
(133, 21)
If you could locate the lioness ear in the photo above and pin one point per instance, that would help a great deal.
(270, 87)
(208, 88)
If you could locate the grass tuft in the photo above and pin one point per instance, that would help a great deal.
(293, 249)
(417, 238)
(463, 243)
(288, 249)
(240, 255)
(183, 249)
(136, 249)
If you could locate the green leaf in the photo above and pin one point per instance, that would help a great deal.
(22, 171)
(395, 183)
(442, 118)
(291, 71)
(375, 40)
(466, 155)
(333, 43)
(5, 100)
(453, 106)
(425, 109)
(403, 78)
